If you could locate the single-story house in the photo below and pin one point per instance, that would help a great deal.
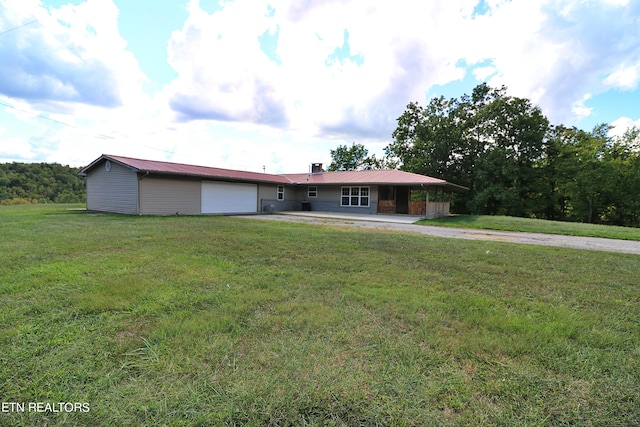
(145, 187)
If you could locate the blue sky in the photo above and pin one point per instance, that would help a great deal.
(278, 83)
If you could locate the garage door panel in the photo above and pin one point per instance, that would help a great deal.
(228, 197)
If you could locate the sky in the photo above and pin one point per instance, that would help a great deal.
(274, 85)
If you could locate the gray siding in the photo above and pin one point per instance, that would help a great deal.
(268, 198)
(328, 200)
(112, 191)
(162, 195)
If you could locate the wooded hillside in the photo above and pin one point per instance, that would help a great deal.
(24, 183)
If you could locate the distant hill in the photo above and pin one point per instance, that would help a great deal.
(24, 183)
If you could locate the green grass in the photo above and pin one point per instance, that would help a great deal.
(186, 321)
(508, 223)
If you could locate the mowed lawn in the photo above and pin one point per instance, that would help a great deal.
(229, 321)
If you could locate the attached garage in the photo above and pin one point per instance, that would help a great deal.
(169, 195)
(137, 186)
(229, 197)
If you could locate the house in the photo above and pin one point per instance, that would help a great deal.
(145, 187)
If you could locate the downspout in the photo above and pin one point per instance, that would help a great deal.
(426, 204)
(258, 199)
(140, 179)
(426, 207)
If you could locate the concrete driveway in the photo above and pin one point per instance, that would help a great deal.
(404, 223)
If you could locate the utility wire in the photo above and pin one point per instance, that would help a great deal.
(42, 116)
(19, 26)
(98, 135)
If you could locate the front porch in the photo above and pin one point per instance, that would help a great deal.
(429, 202)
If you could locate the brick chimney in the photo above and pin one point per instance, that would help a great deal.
(316, 167)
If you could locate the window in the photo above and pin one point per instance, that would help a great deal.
(280, 192)
(386, 192)
(355, 196)
(312, 193)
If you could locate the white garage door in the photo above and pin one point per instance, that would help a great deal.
(227, 197)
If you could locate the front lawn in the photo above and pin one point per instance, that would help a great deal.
(225, 321)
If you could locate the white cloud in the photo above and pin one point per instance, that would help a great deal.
(621, 125)
(71, 54)
(624, 77)
(343, 72)
(397, 51)
(617, 2)
(483, 73)
(223, 73)
(13, 148)
(547, 51)
(554, 52)
(579, 109)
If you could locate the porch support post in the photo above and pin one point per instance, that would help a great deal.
(426, 205)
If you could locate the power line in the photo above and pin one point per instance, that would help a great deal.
(42, 116)
(97, 135)
(19, 26)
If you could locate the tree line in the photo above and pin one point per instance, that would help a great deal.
(24, 183)
(513, 161)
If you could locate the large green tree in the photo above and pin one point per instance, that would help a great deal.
(486, 141)
(623, 161)
(356, 157)
(592, 176)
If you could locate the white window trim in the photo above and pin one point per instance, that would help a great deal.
(280, 192)
(359, 196)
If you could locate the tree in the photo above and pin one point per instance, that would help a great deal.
(346, 158)
(425, 139)
(591, 176)
(621, 185)
(556, 170)
(515, 163)
(486, 141)
(39, 183)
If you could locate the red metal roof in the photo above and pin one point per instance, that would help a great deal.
(385, 176)
(370, 177)
(153, 166)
